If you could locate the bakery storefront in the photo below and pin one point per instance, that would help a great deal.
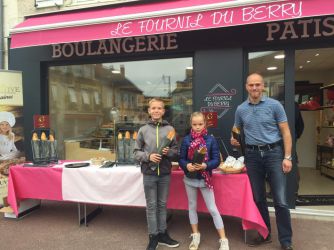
(94, 71)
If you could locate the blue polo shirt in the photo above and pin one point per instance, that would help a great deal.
(260, 121)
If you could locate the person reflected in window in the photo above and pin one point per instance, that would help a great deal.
(299, 129)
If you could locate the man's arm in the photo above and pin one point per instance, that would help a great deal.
(287, 141)
(237, 125)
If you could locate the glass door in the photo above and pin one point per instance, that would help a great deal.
(270, 64)
(314, 92)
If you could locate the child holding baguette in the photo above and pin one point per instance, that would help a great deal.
(155, 149)
(199, 155)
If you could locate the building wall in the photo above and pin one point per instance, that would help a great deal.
(11, 19)
(16, 10)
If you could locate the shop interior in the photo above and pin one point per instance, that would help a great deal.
(314, 93)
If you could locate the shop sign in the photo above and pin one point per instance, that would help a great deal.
(164, 21)
(11, 89)
(299, 29)
(41, 121)
(218, 100)
(163, 42)
(210, 19)
(211, 119)
(11, 115)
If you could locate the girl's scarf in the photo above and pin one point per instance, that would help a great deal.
(197, 143)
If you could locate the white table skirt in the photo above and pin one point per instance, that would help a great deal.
(112, 186)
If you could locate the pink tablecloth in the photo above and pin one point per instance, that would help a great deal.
(33, 183)
(233, 193)
(233, 196)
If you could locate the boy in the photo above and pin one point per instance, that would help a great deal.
(156, 171)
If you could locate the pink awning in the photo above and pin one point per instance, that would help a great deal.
(157, 18)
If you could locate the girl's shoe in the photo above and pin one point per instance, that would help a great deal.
(196, 239)
(223, 244)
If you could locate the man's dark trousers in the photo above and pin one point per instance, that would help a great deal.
(262, 163)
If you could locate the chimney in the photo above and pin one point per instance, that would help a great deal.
(122, 69)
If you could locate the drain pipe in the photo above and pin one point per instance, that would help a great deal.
(2, 66)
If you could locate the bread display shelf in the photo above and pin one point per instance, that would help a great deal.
(73, 151)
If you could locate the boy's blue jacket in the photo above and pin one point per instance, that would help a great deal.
(213, 154)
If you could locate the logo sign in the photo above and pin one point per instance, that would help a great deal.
(211, 119)
(11, 93)
(218, 100)
(41, 121)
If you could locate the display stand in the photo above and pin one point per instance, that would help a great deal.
(44, 147)
(125, 137)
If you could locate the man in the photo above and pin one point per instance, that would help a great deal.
(267, 153)
(299, 128)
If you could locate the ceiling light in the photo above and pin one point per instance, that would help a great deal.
(317, 54)
(272, 68)
(115, 71)
(301, 66)
(308, 61)
(280, 56)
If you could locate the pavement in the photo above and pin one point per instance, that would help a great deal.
(55, 226)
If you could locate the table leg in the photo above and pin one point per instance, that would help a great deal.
(245, 236)
(79, 214)
(87, 217)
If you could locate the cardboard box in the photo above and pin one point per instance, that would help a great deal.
(3, 189)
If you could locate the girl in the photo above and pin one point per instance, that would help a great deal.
(7, 137)
(198, 177)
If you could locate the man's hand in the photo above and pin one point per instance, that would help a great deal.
(234, 142)
(154, 157)
(287, 166)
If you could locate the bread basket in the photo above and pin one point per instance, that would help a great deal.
(232, 165)
(98, 161)
(230, 170)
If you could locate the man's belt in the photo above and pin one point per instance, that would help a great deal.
(264, 147)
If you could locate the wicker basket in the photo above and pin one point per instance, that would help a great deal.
(98, 161)
(229, 170)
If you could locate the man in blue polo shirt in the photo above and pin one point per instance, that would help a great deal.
(268, 154)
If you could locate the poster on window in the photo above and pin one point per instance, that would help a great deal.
(11, 117)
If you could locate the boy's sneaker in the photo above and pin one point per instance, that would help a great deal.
(259, 240)
(153, 242)
(223, 244)
(196, 239)
(166, 240)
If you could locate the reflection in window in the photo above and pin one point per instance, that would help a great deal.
(270, 64)
(85, 97)
(116, 93)
(72, 95)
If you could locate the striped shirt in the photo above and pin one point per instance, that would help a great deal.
(260, 121)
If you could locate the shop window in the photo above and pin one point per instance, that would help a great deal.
(99, 99)
(270, 64)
